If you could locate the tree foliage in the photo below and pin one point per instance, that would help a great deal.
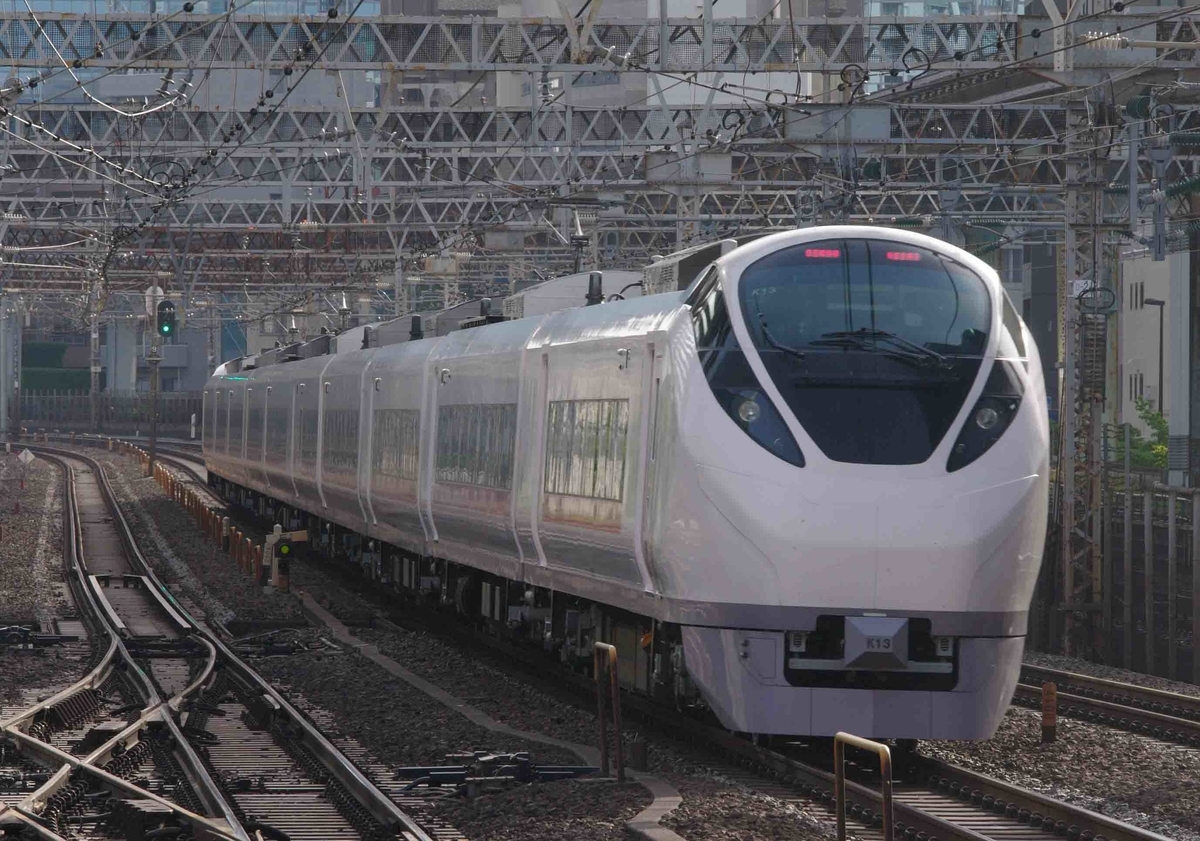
(1145, 452)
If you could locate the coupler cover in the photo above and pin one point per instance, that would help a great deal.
(875, 642)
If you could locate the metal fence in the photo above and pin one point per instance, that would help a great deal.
(120, 411)
(1151, 599)
(1137, 599)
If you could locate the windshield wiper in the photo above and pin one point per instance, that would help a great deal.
(867, 338)
(762, 321)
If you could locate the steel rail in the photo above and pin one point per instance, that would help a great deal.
(1010, 804)
(380, 806)
(1056, 816)
(226, 827)
(1088, 686)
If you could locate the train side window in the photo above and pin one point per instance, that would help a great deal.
(341, 439)
(396, 441)
(585, 448)
(307, 424)
(254, 425)
(475, 444)
(278, 433)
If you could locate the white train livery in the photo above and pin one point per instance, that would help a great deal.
(809, 492)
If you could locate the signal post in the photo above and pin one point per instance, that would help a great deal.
(164, 327)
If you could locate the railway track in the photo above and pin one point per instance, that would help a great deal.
(1169, 716)
(933, 799)
(169, 730)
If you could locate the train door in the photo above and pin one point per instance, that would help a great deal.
(225, 416)
(475, 416)
(268, 435)
(255, 401)
(596, 421)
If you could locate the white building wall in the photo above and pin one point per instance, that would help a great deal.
(1138, 326)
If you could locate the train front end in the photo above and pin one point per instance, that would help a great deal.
(874, 515)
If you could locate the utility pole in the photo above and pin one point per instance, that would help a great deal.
(154, 359)
(1083, 344)
(15, 364)
(94, 395)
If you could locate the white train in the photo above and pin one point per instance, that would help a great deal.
(810, 491)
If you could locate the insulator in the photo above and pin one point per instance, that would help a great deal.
(1105, 41)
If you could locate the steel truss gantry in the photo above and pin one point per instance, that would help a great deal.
(435, 44)
(412, 179)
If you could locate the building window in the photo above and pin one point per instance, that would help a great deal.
(585, 448)
(397, 437)
(475, 444)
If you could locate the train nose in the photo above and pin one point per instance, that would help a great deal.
(978, 551)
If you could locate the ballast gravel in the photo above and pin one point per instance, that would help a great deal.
(580, 810)
(31, 561)
(1132, 778)
(1084, 667)
(177, 549)
(714, 811)
(396, 723)
(32, 584)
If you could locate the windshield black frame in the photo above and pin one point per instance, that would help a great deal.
(873, 344)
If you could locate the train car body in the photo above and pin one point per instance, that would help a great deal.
(810, 489)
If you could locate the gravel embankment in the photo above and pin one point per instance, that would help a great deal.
(578, 810)
(396, 723)
(31, 575)
(1128, 777)
(1084, 667)
(713, 811)
(184, 557)
(31, 561)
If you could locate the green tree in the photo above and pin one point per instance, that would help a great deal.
(1145, 452)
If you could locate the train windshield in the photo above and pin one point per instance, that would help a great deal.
(873, 344)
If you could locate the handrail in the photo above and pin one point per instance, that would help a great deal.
(600, 649)
(839, 780)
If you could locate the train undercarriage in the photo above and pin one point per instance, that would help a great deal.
(564, 626)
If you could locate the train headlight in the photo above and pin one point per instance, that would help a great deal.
(990, 416)
(987, 418)
(749, 411)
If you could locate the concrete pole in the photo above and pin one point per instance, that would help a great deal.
(154, 360)
(1178, 399)
(5, 367)
(94, 395)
